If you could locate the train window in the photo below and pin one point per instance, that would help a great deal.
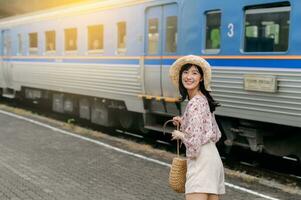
(171, 34)
(71, 39)
(33, 43)
(153, 36)
(121, 40)
(95, 37)
(213, 31)
(20, 44)
(6, 44)
(267, 29)
(50, 41)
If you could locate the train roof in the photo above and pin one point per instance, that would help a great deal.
(66, 11)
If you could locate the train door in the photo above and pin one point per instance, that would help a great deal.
(6, 65)
(1, 64)
(160, 41)
(153, 51)
(169, 47)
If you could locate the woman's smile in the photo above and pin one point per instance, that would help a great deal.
(191, 78)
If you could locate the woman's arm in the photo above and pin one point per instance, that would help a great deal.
(198, 127)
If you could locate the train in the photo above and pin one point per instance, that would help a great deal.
(107, 62)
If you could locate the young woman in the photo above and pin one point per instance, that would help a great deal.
(199, 131)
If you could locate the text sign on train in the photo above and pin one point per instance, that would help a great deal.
(260, 83)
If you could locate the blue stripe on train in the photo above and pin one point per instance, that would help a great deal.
(104, 61)
(29, 60)
(267, 63)
(78, 60)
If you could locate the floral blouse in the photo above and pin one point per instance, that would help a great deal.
(199, 125)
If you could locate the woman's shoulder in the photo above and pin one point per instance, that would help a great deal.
(198, 100)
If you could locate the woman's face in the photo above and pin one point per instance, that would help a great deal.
(191, 78)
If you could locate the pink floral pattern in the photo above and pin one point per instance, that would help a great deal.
(199, 125)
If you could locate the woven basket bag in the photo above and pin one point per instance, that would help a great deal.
(177, 173)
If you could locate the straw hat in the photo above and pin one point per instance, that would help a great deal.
(174, 71)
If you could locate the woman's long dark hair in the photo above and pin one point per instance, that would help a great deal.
(183, 91)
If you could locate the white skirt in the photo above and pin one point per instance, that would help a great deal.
(205, 174)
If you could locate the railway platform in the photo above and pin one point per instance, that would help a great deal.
(39, 160)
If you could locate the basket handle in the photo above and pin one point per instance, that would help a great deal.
(178, 142)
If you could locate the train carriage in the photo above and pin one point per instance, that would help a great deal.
(108, 62)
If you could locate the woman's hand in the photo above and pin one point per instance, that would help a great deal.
(177, 120)
(177, 135)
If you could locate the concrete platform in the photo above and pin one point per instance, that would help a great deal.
(38, 161)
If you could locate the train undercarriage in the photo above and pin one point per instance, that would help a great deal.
(273, 139)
